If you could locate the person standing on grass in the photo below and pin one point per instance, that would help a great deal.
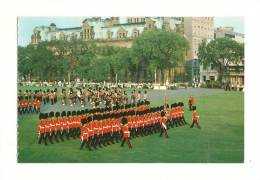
(126, 133)
(37, 106)
(191, 102)
(41, 128)
(145, 96)
(163, 125)
(195, 118)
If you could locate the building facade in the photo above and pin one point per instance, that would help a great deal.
(197, 29)
(234, 72)
(118, 31)
(228, 32)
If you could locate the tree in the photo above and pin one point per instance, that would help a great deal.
(158, 50)
(24, 62)
(220, 53)
(99, 69)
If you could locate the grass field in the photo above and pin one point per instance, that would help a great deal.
(221, 138)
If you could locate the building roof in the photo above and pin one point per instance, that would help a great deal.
(68, 29)
(234, 33)
(129, 24)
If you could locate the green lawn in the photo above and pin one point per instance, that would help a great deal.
(221, 138)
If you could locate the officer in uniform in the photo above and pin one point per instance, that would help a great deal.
(63, 97)
(163, 125)
(126, 133)
(195, 118)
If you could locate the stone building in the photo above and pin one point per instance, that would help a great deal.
(113, 31)
(118, 31)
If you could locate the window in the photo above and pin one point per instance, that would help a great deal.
(135, 33)
(122, 33)
(212, 78)
(211, 67)
(62, 36)
(53, 37)
(109, 34)
(88, 32)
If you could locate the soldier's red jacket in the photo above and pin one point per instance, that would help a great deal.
(126, 132)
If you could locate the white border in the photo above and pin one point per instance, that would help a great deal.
(11, 9)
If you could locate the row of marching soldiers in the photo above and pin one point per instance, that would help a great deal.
(58, 126)
(109, 128)
(98, 128)
(28, 106)
(29, 102)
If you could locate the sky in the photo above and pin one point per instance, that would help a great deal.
(26, 24)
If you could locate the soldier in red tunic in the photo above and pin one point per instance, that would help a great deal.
(126, 133)
(163, 125)
(63, 123)
(195, 118)
(41, 129)
(52, 126)
(47, 129)
(58, 126)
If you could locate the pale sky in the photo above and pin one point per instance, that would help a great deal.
(26, 25)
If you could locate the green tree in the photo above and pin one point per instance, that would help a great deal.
(158, 50)
(24, 62)
(220, 53)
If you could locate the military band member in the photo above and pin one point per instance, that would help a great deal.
(47, 96)
(63, 97)
(26, 94)
(191, 102)
(71, 95)
(55, 95)
(52, 97)
(37, 105)
(40, 95)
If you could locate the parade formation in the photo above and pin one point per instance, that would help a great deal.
(141, 89)
(108, 117)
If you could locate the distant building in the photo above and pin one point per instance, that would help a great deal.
(228, 32)
(113, 31)
(193, 71)
(197, 29)
(235, 72)
(117, 31)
